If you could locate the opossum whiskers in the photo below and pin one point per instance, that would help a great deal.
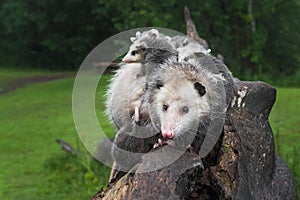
(197, 130)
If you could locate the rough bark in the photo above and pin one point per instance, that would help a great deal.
(242, 165)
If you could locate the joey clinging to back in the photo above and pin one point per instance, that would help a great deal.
(141, 39)
(179, 100)
(187, 48)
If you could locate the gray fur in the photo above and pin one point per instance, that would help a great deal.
(154, 51)
(124, 95)
(216, 66)
(187, 48)
(137, 85)
(181, 41)
(143, 39)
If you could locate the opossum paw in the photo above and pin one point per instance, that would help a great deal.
(161, 142)
(158, 144)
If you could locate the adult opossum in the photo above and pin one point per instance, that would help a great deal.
(183, 101)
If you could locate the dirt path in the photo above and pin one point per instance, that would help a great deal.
(22, 82)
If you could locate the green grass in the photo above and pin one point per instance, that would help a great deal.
(285, 122)
(34, 167)
(32, 164)
(285, 118)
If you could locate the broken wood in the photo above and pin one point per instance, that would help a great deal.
(191, 29)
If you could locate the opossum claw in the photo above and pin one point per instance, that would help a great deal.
(161, 142)
(136, 115)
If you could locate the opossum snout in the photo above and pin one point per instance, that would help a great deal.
(125, 60)
(169, 133)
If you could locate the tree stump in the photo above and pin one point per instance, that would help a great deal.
(242, 165)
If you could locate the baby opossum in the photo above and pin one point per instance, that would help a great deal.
(191, 52)
(182, 99)
(133, 55)
(153, 51)
(187, 48)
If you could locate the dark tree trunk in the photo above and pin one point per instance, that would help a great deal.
(242, 165)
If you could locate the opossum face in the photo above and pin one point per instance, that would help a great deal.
(133, 55)
(179, 108)
(191, 52)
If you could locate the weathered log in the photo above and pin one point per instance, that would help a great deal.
(262, 174)
(242, 165)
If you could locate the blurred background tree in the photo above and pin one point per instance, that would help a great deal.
(259, 39)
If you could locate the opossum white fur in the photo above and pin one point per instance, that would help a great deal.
(123, 94)
(216, 66)
(133, 54)
(129, 83)
(181, 99)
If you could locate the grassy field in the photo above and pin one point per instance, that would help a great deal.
(34, 167)
(32, 164)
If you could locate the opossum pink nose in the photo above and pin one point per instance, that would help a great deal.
(124, 60)
(169, 134)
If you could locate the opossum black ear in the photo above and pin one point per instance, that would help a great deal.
(200, 88)
(159, 84)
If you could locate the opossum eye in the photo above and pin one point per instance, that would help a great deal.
(133, 53)
(200, 88)
(159, 84)
(185, 109)
(186, 59)
(165, 107)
